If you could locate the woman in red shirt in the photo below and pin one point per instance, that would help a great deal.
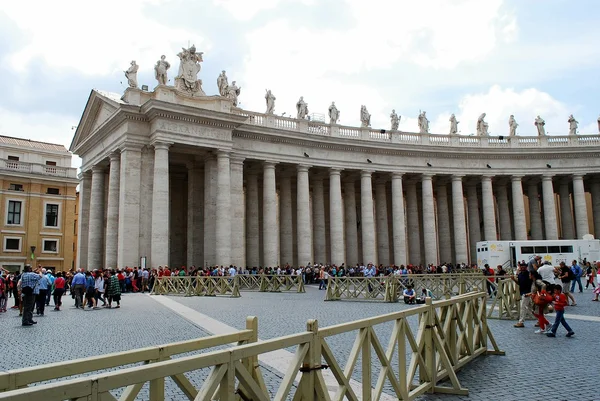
(59, 290)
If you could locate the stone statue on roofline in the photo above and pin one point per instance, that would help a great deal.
(512, 126)
(453, 125)
(334, 114)
(573, 124)
(394, 120)
(232, 92)
(160, 70)
(189, 66)
(482, 126)
(423, 123)
(599, 124)
(301, 109)
(365, 117)
(270, 100)
(131, 75)
(540, 125)
(222, 83)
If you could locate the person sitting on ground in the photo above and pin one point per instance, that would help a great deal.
(409, 295)
(425, 293)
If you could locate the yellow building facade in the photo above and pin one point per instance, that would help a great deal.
(37, 205)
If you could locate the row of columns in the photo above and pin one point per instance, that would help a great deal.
(234, 234)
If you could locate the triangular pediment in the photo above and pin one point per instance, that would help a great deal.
(98, 109)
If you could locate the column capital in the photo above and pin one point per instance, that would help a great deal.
(335, 171)
(516, 178)
(486, 178)
(161, 145)
(457, 177)
(547, 177)
(426, 177)
(237, 160)
(222, 153)
(578, 176)
(85, 175)
(269, 164)
(130, 147)
(114, 156)
(397, 175)
(302, 168)
(97, 169)
(366, 173)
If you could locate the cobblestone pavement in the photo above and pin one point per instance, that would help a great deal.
(569, 366)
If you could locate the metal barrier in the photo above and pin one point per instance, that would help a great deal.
(22, 378)
(197, 285)
(450, 334)
(390, 288)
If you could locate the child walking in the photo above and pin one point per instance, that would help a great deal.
(560, 301)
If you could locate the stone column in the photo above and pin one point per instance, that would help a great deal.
(429, 234)
(286, 228)
(595, 191)
(412, 221)
(129, 206)
(489, 214)
(535, 213)
(210, 209)
(566, 215)
(503, 212)
(443, 213)
(112, 212)
(336, 222)
(85, 182)
(195, 218)
(96, 230)
(580, 204)
(383, 237)
(549, 208)
(238, 242)
(223, 210)
(518, 209)
(398, 221)
(367, 220)
(303, 218)
(350, 223)
(252, 223)
(319, 242)
(160, 206)
(270, 228)
(474, 220)
(458, 216)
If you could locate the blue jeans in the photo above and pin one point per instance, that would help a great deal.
(560, 319)
(578, 281)
(322, 285)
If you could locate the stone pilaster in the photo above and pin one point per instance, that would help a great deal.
(383, 236)
(518, 209)
(535, 213)
(549, 208)
(350, 223)
(443, 231)
(195, 220)
(489, 214)
(367, 220)
(412, 220)
(474, 221)
(238, 241)
(85, 190)
(429, 234)
(129, 206)
(286, 228)
(579, 202)
(398, 221)
(319, 242)
(160, 206)
(458, 216)
(503, 212)
(566, 214)
(112, 212)
(252, 223)
(223, 210)
(336, 220)
(270, 228)
(96, 230)
(303, 218)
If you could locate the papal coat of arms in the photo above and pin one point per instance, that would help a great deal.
(189, 66)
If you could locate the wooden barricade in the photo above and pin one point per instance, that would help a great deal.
(360, 288)
(22, 378)
(249, 282)
(281, 283)
(450, 334)
(197, 285)
(507, 302)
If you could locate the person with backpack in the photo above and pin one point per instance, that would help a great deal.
(566, 276)
(577, 273)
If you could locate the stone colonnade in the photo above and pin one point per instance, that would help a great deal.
(219, 208)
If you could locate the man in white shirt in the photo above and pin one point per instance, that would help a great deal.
(232, 272)
(547, 273)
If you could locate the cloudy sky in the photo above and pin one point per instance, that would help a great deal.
(501, 57)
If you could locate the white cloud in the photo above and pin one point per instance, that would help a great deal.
(245, 10)
(95, 37)
(44, 127)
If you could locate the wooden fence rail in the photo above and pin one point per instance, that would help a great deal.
(390, 288)
(450, 334)
(197, 285)
(271, 283)
(20, 378)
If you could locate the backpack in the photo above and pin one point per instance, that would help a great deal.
(571, 275)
